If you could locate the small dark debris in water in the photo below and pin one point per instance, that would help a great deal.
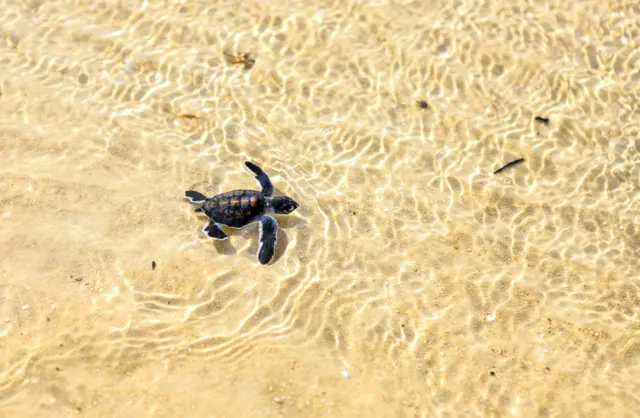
(518, 161)
(548, 369)
(248, 61)
(493, 373)
(58, 369)
(422, 104)
(153, 265)
(241, 58)
(541, 119)
(354, 212)
(186, 116)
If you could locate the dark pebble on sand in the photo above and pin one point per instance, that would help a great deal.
(422, 104)
(493, 373)
(541, 119)
(153, 265)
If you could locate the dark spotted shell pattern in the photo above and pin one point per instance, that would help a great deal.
(236, 208)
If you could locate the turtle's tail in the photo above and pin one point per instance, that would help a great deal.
(195, 197)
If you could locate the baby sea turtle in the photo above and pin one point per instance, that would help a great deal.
(239, 208)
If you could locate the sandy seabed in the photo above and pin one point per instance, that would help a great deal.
(411, 282)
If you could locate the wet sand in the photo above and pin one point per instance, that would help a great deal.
(412, 280)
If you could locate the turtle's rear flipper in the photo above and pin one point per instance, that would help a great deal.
(214, 230)
(268, 236)
(195, 197)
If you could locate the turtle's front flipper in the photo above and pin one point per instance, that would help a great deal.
(263, 179)
(268, 235)
(214, 230)
(195, 197)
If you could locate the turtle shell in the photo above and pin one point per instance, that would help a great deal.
(236, 208)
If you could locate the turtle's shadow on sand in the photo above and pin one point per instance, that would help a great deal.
(251, 233)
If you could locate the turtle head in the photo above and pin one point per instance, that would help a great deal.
(283, 205)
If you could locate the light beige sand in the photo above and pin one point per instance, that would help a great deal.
(411, 281)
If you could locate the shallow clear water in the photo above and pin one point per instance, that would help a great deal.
(412, 281)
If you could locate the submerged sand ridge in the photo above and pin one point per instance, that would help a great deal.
(412, 280)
